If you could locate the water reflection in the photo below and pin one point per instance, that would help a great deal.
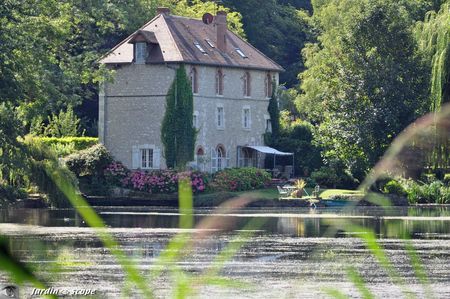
(417, 222)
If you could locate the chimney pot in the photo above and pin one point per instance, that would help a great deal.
(221, 28)
(163, 10)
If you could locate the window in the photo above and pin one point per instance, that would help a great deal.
(246, 118)
(241, 53)
(200, 158)
(195, 120)
(268, 123)
(199, 47)
(209, 42)
(140, 54)
(194, 79)
(146, 158)
(247, 84)
(268, 85)
(219, 82)
(221, 157)
(220, 118)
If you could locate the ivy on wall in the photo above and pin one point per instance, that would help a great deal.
(177, 131)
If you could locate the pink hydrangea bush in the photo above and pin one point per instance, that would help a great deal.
(155, 182)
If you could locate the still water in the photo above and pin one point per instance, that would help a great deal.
(288, 253)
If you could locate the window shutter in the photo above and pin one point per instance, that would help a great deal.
(157, 158)
(135, 157)
(213, 160)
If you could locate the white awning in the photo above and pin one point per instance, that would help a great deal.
(269, 150)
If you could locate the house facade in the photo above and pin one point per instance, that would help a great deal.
(231, 82)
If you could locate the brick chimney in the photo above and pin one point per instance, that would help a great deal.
(221, 27)
(163, 10)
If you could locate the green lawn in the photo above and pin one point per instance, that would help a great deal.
(329, 193)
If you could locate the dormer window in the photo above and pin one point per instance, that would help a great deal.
(140, 52)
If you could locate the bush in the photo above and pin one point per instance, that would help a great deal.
(447, 179)
(240, 179)
(434, 192)
(155, 182)
(394, 187)
(91, 161)
(325, 177)
(68, 145)
(11, 193)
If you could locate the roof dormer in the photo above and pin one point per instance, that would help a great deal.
(143, 42)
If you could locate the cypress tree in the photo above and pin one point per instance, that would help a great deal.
(177, 131)
(274, 113)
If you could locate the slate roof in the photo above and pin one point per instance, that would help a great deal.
(177, 38)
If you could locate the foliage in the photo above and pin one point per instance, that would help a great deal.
(177, 130)
(394, 187)
(274, 113)
(196, 9)
(240, 179)
(297, 137)
(64, 124)
(364, 81)
(334, 176)
(279, 30)
(433, 35)
(447, 179)
(89, 162)
(9, 193)
(67, 145)
(434, 192)
(163, 182)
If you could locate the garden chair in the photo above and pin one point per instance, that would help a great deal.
(316, 191)
(282, 192)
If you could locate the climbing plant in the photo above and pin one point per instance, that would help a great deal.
(177, 131)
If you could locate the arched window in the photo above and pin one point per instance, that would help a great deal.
(247, 84)
(200, 158)
(268, 85)
(194, 79)
(221, 157)
(219, 82)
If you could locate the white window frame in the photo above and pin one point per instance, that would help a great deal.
(246, 119)
(220, 117)
(137, 157)
(146, 155)
(220, 84)
(140, 52)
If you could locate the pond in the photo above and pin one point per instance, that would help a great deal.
(288, 253)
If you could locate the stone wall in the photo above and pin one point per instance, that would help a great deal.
(132, 109)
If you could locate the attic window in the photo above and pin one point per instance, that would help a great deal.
(209, 42)
(200, 47)
(140, 52)
(239, 51)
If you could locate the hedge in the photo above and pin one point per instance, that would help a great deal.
(68, 145)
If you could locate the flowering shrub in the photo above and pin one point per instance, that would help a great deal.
(115, 173)
(240, 179)
(164, 181)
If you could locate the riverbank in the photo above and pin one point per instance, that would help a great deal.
(261, 198)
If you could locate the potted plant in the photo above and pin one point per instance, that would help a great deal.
(299, 186)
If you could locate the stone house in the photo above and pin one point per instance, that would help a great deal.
(231, 82)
